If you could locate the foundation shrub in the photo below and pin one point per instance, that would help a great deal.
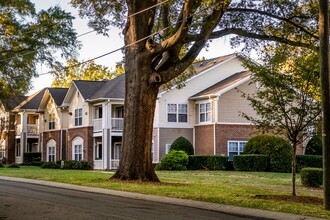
(250, 162)
(175, 160)
(205, 162)
(311, 177)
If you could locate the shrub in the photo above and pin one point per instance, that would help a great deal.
(50, 165)
(311, 177)
(183, 144)
(314, 146)
(1, 165)
(201, 162)
(309, 161)
(31, 156)
(275, 148)
(13, 165)
(250, 162)
(37, 163)
(76, 165)
(175, 160)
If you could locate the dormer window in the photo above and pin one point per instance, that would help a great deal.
(78, 117)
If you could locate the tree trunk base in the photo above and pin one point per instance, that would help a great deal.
(138, 177)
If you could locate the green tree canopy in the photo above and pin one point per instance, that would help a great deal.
(29, 37)
(83, 71)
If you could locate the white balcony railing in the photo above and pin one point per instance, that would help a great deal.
(97, 124)
(117, 124)
(32, 129)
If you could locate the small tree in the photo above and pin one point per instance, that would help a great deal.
(284, 103)
(183, 144)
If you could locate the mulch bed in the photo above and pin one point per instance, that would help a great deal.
(299, 199)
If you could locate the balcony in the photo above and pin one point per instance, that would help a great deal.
(117, 124)
(97, 124)
(32, 129)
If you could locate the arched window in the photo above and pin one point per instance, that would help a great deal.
(77, 149)
(51, 150)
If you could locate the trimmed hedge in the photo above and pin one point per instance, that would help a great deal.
(175, 160)
(311, 177)
(1, 165)
(201, 162)
(31, 156)
(277, 149)
(309, 161)
(183, 144)
(250, 162)
(50, 165)
(13, 165)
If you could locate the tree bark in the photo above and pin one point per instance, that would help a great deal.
(141, 89)
(325, 97)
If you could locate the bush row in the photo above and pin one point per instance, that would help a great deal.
(68, 164)
(207, 162)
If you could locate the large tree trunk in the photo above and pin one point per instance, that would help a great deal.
(140, 99)
(325, 95)
(135, 162)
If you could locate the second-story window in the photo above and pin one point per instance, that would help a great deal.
(205, 112)
(51, 123)
(78, 117)
(177, 113)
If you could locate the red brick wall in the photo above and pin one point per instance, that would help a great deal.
(56, 135)
(232, 132)
(86, 133)
(204, 140)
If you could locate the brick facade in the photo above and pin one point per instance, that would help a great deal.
(204, 141)
(56, 136)
(86, 133)
(232, 132)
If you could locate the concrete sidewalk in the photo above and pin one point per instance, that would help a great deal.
(240, 211)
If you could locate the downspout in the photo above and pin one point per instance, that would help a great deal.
(215, 125)
(61, 133)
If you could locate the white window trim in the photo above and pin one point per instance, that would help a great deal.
(97, 146)
(115, 150)
(238, 141)
(199, 112)
(78, 141)
(74, 117)
(177, 112)
(51, 143)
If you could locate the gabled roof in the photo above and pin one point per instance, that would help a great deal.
(15, 101)
(32, 102)
(58, 94)
(206, 64)
(234, 80)
(114, 88)
(88, 88)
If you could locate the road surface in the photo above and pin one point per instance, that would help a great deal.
(29, 201)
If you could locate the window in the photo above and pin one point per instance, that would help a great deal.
(167, 148)
(98, 151)
(117, 149)
(51, 154)
(205, 112)
(18, 149)
(51, 150)
(51, 123)
(2, 149)
(235, 148)
(177, 112)
(98, 111)
(78, 152)
(78, 117)
(77, 149)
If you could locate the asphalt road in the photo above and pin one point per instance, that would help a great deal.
(29, 201)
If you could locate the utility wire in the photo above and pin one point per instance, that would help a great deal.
(80, 35)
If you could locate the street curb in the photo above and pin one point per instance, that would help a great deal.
(228, 209)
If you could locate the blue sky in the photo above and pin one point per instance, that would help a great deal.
(94, 45)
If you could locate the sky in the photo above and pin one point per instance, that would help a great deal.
(94, 45)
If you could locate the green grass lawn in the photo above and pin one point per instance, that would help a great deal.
(224, 187)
